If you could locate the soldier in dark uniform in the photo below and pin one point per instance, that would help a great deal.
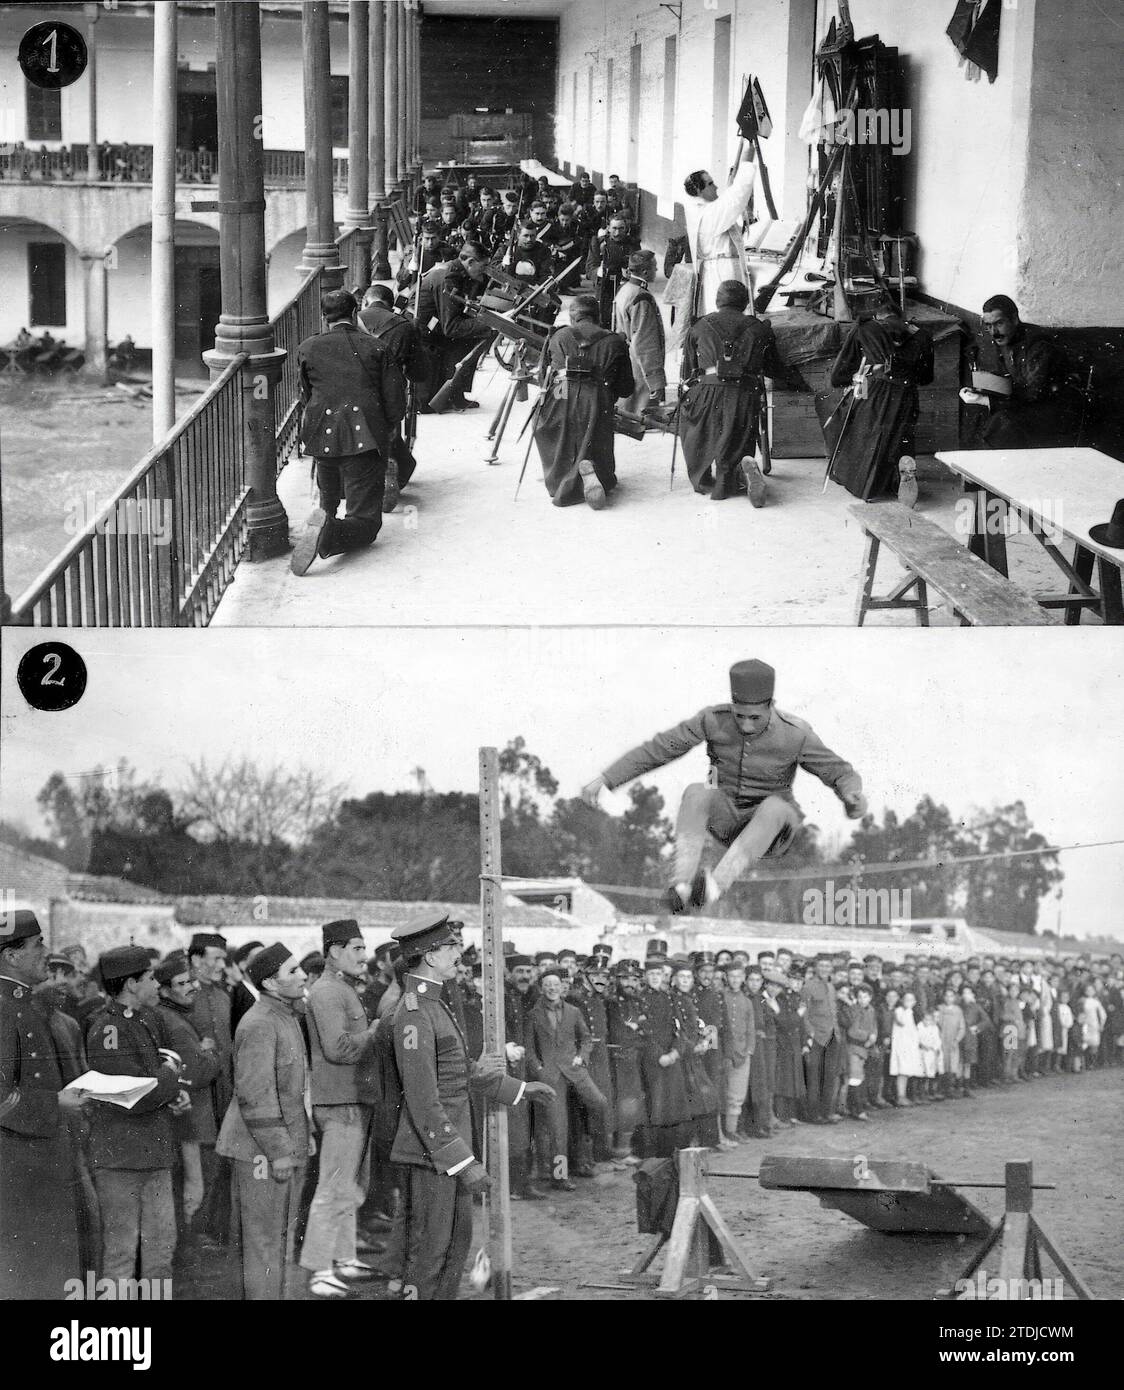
(595, 215)
(133, 1151)
(582, 191)
(519, 998)
(693, 1044)
(433, 250)
(434, 1129)
(528, 260)
(711, 1011)
(607, 263)
(568, 241)
(452, 333)
(574, 429)
(1044, 408)
(39, 1245)
(665, 1085)
(590, 995)
(627, 1040)
(758, 1114)
(210, 1016)
(353, 402)
(747, 806)
(726, 357)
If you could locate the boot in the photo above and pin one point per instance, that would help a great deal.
(729, 481)
(755, 482)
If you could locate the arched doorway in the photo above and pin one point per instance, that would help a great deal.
(198, 292)
(42, 279)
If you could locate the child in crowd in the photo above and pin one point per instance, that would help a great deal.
(929, 1042)
(976, 1024)
(862, 1034)
(1014, 1033)
(1092, 1018)
(1064, 1032)
(905, 1055)
(1032, 1006)
(950, 1021)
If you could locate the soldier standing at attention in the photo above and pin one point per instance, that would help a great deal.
(266, 1128)
(636, 316)
(747, 807)
(433, 1140)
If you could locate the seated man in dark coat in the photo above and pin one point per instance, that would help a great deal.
(452, 332)
(433, 250)
(529, 259)
(872, 435)
(1043, 410)
(585, 370)
(726, 357)
(350, 393)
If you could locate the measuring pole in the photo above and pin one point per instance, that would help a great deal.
(495, 1032)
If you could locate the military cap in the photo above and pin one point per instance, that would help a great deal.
(340, 933)
(702, 958)
(870, 960)
(170, 967)
(602, 948)
(654, 960)
(553, 970)
(429, 225)
(386, 948)
(751, 682)
(202, 939)
(424, 933)
(19, 925)
(57, 962)
(597, 965)
(122, 962)
(628, 966)
(312, 963)
(640, 261)
(678, 963)
(566, 953)
(658, 948)
(246, 949)
(267, 963)
(515, 960)
(762, 954)
(470, 955)
(540, 956)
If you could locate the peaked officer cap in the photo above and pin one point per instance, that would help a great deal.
(425, 933)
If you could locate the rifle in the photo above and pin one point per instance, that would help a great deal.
(675, 441)
(536, 410)
(506, 323)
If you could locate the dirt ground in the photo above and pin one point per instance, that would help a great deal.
(1068, 1128)
(61, 440)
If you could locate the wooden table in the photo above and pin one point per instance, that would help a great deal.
(1057, 494)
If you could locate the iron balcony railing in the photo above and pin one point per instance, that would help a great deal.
(133, 164)
(299, 319)
(162, 550)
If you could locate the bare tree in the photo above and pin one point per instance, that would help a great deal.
(259, 805)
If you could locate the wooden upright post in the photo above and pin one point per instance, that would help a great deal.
(495, 1032)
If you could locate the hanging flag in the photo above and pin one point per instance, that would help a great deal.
(974, 31)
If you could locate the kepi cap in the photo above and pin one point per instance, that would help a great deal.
(751, 682)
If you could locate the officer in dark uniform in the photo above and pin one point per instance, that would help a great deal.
(607, 263)
(590, 995)
(747, 805)
(711, 1011)
(665, 1083)
(627, 1038)
(352, 402)
(519, 999)
(433, 1140)
(39, 1248)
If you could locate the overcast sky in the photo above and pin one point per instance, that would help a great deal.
(975, 717)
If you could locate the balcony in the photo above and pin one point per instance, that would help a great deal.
(132, 164)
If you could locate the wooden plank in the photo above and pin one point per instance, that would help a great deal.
(939, 1212)
(1012, 1248)
(810, 1172)
(1050, 1246)
(965, 581)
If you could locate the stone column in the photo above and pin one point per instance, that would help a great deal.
(416, 105)
(403, 99)
(391, 99)
(320, 249)
(93, 171)
(95, 286)
(376, 136)
(358, 213)
(244, 323)
(163, 240)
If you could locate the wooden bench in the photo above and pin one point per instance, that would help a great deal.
(977, 594)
